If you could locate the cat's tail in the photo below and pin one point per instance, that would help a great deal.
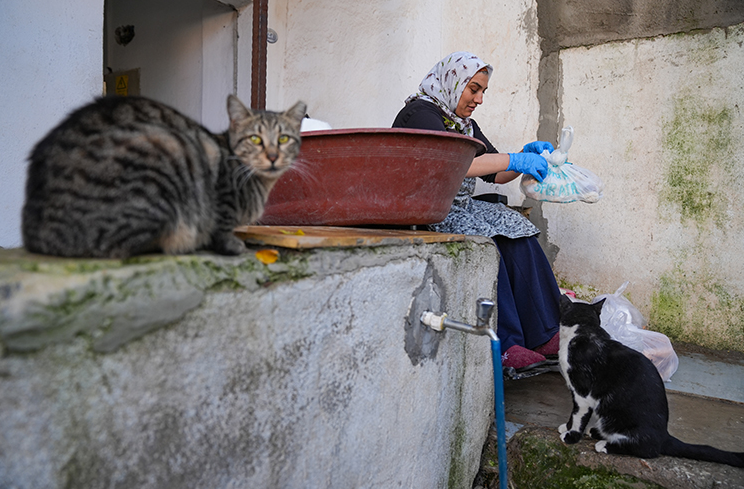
(676, 448)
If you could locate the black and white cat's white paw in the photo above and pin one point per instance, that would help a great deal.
(571, 437)
(601, 446)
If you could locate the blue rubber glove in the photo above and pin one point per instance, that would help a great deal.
(530, 163)
(538, 147)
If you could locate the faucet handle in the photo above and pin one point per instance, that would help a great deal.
(483, 311)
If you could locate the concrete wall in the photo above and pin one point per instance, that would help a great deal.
(654, 94)
(355, 64)
(660, 120)
(206, 371)
(51, 59)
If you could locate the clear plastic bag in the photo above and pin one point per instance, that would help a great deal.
(626, 324)
(564, 182)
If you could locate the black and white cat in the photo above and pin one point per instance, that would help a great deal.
(620, 391)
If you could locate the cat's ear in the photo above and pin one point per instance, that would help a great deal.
(297, 111)
(236, 110)
(565, 303)
(598, 306)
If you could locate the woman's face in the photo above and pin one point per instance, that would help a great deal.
(472, 97)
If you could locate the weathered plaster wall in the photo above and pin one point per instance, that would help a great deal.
(310, 372)
(505, 35)
(47, 68)
(659, 120)
(355, 63)
(572, 23)
(653, 93)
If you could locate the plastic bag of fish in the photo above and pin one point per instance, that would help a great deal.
(565, 182)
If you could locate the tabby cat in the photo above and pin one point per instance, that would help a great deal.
(129, 175)
(622, 390)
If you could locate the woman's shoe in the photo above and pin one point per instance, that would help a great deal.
(551, 347)
(520, 357)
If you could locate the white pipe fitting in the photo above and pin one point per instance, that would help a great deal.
(434, 321)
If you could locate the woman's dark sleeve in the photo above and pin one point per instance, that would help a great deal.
(420, 114)
(478, 134)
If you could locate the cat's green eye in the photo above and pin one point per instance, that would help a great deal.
(256, 140)
(283, 139)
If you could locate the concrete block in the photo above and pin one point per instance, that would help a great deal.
(310, 372)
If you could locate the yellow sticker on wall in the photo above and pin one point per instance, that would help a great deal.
(122, 85)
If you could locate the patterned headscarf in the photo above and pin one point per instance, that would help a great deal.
(444, 84)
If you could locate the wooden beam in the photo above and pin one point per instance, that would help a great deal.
(258, 56)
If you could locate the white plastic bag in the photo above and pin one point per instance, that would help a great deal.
(564, 182)
(625, 324)
(309, 124)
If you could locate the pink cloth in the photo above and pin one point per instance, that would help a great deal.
(551, 347)
(519, 357)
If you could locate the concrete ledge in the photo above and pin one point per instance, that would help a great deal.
(538, 457)
(47, 300)
(206, 371)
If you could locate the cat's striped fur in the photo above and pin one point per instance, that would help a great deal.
(129, 175)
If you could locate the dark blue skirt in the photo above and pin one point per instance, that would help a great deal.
(528, 296)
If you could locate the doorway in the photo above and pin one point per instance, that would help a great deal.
(179, 52)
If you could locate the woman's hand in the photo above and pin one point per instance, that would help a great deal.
(530, 163)
(537, 147)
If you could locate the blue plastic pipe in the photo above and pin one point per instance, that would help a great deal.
(498, 391)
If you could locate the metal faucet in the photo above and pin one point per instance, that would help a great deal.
(483, 311)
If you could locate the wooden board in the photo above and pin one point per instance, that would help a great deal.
(329, 236)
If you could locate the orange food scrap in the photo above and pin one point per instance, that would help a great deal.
(294, 233)
(267, 256)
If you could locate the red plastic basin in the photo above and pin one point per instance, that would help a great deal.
(350, 177)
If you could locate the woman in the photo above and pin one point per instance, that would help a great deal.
(528, 295)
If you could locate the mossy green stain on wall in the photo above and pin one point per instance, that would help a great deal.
(702, 311)
(582, 291)
(704, 49)
(668, 308)
(289, 267)
(697, 141)
(457, 470)
(454, 248)
(692, 302)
